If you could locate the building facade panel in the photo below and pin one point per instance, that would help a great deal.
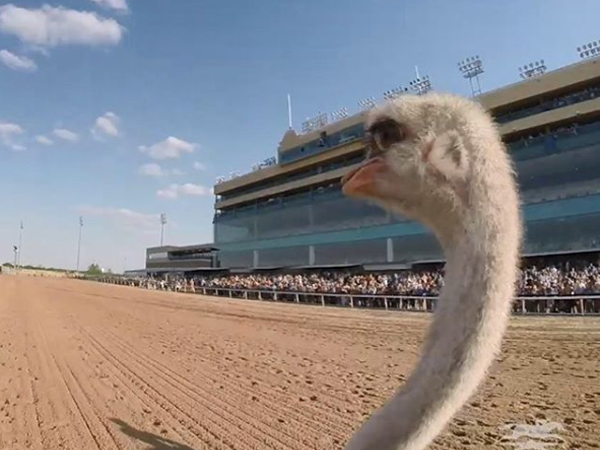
(554, 140)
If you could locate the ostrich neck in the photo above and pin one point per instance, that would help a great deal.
(463, 339)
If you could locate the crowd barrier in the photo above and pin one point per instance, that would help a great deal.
(580, 305)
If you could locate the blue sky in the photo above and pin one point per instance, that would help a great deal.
(122, 109)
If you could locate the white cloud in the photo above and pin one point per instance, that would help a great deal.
(151, 170)
(107, 124)
(171, 148)
(155, 170)
(18, 147)
(199, 166)
(15, 62)
(119, 5)
(40, 139)
(173, 191)
(8, 131)
(65, 134)
(51, 26)
(123, 217)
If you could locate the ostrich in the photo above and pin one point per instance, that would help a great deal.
(439, 159)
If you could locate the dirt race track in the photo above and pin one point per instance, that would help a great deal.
(88, 366)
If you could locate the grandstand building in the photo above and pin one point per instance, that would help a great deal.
(169, 258)
(293, 213)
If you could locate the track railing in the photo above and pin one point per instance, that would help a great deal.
(524, 305)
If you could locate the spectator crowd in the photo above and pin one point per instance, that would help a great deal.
(549, 280)
(401, 290)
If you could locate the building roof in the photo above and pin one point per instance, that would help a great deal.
(498, 100)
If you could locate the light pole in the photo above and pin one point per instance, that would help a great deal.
(16, 251)
(471, 68)
(79, 242)
(163, 222)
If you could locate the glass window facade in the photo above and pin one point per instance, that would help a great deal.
(285, 256)
(557, 102)
(229, 259)
(360, 252)
(322, 144)
(559, 177)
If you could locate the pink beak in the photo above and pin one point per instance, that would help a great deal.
(361, 181)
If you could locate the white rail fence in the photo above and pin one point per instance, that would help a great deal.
(579, 305)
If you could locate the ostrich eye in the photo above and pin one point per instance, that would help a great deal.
(384, 134)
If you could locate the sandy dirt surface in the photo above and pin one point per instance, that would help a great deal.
(87, 366)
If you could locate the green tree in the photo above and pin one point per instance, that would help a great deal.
(94, 269)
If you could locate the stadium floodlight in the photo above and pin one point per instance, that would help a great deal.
(395, 92)
(270, 161)
(340, 114)
(314, 123)
(163, 222)
(79, 242)
(367, 103)
(421, 85)
(589, 50)
(532, 69)
(471, 68)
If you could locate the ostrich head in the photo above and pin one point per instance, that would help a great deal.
(430, 159)
(439, 159)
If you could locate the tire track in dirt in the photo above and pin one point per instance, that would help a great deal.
(275, 403)
(189, 395)
(238, 406)
(113, 368)
(217, 431)
(149, 404)
(330, 400)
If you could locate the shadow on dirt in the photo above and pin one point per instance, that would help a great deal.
(155, 441)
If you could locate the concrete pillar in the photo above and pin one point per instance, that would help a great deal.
(311, 255)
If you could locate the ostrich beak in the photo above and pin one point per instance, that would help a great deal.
(361, 181)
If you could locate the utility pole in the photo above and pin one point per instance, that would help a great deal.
(163, 222)
(79, 242)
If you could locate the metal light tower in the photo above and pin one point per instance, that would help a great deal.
(163, 222)
(395, 92)
(16, 252)
(532, 69)
(340, 114)
(421, 85)
(471, 68)
(79, 242)
(367, 103)
(589, 50)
